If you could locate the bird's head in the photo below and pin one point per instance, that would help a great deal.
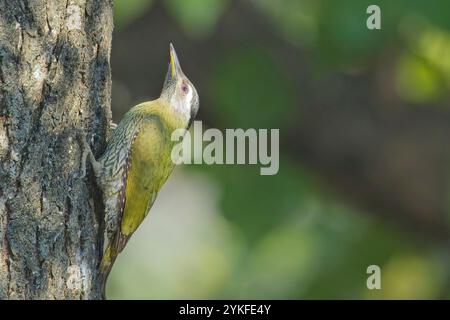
(178, 91)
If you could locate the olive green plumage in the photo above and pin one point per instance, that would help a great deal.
(137, 160)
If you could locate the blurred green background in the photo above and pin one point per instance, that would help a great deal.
(364, 120)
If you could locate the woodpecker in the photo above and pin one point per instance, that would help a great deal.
(137, 160)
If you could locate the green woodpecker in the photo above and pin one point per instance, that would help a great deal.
(137, 160)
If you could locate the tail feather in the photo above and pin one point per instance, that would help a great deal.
(115, 246)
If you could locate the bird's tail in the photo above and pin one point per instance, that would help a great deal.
(106, 264)
(109, 257)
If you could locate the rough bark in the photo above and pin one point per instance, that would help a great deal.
(54, 83)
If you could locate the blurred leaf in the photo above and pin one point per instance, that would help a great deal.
(295, 20)
(280, 265)
(434, 11)
(197, 17)
(255, 204)
(125, 11)
(347, 251)
(416, 80)
(411, 277)
(435, 46)
(250, 90)
(343, 37)
(428, 42)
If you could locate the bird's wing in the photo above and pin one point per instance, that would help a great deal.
(149, 166)
(129, 171)
(115, 164)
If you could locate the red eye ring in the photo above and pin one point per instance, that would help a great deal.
(185, 88)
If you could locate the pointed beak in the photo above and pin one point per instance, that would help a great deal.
(174, 65)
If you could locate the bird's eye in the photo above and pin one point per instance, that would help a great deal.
(185, 88)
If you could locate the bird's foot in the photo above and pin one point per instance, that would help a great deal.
(112, 127)
(87, 152)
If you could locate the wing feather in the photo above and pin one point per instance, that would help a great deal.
(116, 166)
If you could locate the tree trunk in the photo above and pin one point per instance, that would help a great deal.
(54, 84)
